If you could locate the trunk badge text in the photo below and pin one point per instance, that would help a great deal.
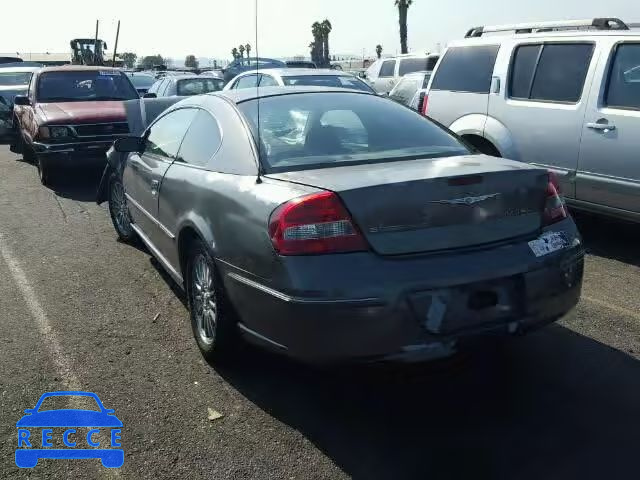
(466, 200)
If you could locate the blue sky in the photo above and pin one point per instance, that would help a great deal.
(210, 28)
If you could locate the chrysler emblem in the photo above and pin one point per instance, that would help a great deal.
(466, 200)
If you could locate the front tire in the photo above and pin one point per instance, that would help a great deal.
(212, 319)
(44, 170)
(119, 210)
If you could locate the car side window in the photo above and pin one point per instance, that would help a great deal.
(387, 69)
(248, 81)
(550, 72)
(165, 135)
(166, 88)
(466, 69)
(405, 90)
(202, 141)
(410, 65)
(268, 81)
(623, 86)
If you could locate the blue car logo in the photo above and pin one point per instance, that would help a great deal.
(36, 433)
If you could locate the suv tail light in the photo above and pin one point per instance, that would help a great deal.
(554, 208)
(314, 224)
(424, 103)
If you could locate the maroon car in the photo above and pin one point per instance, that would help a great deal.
(70, 116)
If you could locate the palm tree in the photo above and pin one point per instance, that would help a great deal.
(234, 52)
(379, 50)
(248, 49)
(403, 7)
(326, 30)
(316, 53)
(241, 50)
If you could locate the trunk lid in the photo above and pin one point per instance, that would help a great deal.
(435, 204)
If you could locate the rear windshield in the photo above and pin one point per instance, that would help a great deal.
(78, 86)
(198, 86)
(340, 81)
(9, 79)
(315, 130)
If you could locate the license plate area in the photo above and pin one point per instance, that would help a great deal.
(468, 307)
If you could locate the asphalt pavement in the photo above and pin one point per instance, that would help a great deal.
(81, 311)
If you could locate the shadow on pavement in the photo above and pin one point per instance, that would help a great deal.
(609, 238)
(77, 184)
(552, 405)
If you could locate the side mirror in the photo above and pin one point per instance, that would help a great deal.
(129, 145)
(21, 100)
(150, 95)
(29, 410)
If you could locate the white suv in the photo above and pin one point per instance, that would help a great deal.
(386, 72)
(564, 95)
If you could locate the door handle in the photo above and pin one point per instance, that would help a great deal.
(603, 127)
(155, 184)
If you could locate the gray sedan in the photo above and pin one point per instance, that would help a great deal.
(342, 226)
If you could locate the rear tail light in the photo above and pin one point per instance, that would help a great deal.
(314, 224)
(554, 208)
(425, 103)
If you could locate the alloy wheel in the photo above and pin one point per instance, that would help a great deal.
(204, 304)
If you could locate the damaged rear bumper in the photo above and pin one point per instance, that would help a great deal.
(505, 291)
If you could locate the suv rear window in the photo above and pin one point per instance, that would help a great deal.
(409, 65)
(550, 72)
(466, 69)
(388, 68)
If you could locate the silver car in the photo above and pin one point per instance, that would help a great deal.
(185, 85)
(329, 224)
(297, 77)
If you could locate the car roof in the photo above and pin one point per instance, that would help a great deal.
(193, 77)
(244, 94)
(297, 72)
(78, 68)
(497, 38)
(19, 69)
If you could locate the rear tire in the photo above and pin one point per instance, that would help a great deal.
(212, 318)
(119, 210)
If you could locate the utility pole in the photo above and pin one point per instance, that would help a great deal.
(115, 49)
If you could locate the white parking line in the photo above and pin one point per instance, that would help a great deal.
(62, 364)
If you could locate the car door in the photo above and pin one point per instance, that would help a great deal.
(26, 114)
(543, 105)
(143, 173)
(609, 164)
(180, 190)
(386, 77)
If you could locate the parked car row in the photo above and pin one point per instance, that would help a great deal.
(300, 210)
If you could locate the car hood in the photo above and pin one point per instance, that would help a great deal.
(69, 418)
(82, 112)
(8, 93)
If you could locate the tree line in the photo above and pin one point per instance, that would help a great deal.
(319, 47)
